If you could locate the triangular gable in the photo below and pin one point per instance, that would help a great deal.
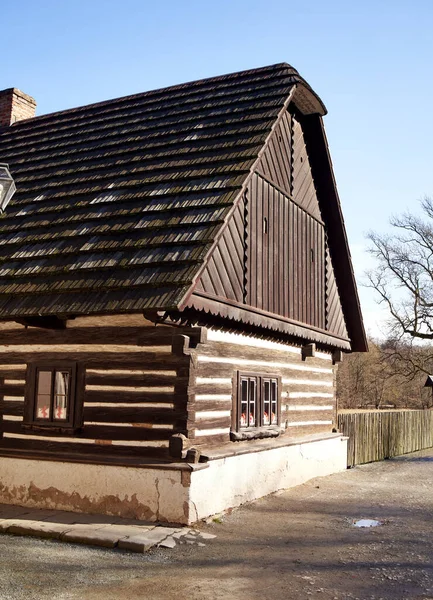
(286, 271)
(224, 273)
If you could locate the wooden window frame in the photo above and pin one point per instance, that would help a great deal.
(73, 419)
(259, 426)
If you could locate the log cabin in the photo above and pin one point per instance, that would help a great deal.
(176, 291)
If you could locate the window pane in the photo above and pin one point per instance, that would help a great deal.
(266, 402)
(244, 402)
(252, 402)
(61, 393)
(274, 400)
(43, 395)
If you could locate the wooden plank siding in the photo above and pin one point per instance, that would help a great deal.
(276, 162)
(303, 187)
(286, 257)
(335, 322)
(133, 390)
(224, 273)
(307, 392)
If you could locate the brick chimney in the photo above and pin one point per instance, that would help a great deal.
(15, 106)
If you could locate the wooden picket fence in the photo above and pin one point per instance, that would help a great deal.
(376, 435)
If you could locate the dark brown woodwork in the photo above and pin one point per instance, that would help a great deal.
(285, 254)
(11, 389)
(337, 356)
(103, 423)
(211, 440)
(99, 360)
(11, 374)
(1, 409)
(73, 420)
(211, 423)
(308, 351)
(99, 432)
(63, 450)
(303, 189)
(317, 147)
(131, 397)
(200, 405)
(133, 379)
(132, 336)
(261, 319)
(131, 415)
(50, 322)
(224, 273)
(335, 321)
(12, 408)
(276, 161)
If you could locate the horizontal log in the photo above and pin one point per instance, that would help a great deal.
(102, 360)
(56, 450)
(289, 368)
(12, 408)
(12, 373)
(210, 369)
(130, 397)
(210, 405)
(210, 423)
(134, 379)
(12, 390)
(211, 440)
(137, 433)
(132, 415)
(225, 388)
(98, 432)
(134, 336)
(228, 350)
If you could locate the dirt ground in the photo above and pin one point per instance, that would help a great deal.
(298, 544)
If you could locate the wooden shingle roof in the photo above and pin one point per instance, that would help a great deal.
(118, 203)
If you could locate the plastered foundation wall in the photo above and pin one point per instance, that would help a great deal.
(167, 495)
(232, 481)
(147, 494)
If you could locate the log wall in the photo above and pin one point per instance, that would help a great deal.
(139, 385)
(377, 435)
(307, 394)
(131, 385)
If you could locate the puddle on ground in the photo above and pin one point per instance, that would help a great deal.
(367, 523)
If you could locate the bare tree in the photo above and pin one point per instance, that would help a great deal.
(391, 374)
(403, 278)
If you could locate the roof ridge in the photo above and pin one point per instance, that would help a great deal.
(194, 83)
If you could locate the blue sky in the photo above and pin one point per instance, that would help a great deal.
(371, 63)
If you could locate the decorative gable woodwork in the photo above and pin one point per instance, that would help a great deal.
(304, 190)
(276, 162)
(285, 257)
(272, 254)
(224, 275)
(335, 322)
